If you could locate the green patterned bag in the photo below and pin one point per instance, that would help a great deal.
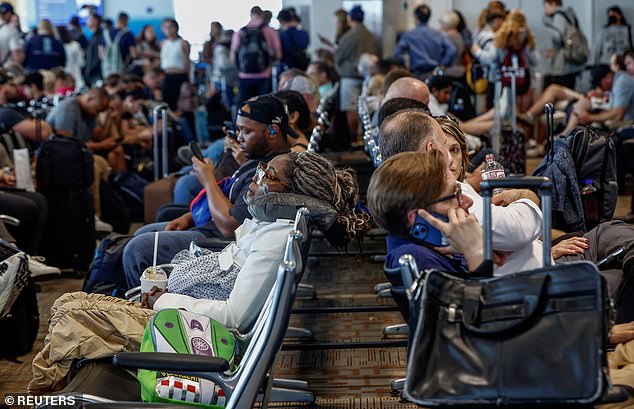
(184, 332)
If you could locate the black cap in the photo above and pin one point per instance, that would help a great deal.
(6, 7)
(269, 110)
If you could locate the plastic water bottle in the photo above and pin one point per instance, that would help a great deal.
(590, 201)
(493, 170)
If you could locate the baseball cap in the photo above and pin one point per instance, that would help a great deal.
(269, 110)
(356, 13)
(6, 7)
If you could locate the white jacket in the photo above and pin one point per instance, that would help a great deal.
(258, 251)
(516, 228)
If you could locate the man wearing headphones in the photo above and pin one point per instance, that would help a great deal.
(427, 48)
(263, 125)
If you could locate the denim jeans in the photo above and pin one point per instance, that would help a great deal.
(139, 252)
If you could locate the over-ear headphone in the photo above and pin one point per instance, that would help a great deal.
(272, 130)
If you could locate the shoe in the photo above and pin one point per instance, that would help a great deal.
(101, 226)
(40, 271)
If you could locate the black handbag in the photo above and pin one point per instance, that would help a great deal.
(529, 338)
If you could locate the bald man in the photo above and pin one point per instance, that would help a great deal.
(408, 87)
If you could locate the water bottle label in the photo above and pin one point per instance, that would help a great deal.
(494, 174)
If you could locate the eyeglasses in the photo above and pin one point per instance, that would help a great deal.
(262, 172)
(455, 195)
(450, 118)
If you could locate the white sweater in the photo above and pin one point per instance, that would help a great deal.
(258, 251)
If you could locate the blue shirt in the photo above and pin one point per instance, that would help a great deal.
(425, 257)
(427, 49)
(623, 94)
(43, 52)
(292, 39)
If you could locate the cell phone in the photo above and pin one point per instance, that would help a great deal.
(425, 233)
(196, 151)
(232, 129)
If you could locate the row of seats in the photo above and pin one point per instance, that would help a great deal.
(251, 381)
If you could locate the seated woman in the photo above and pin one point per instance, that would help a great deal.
(243, 275)
(593, 246)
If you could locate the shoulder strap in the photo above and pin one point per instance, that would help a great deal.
(566, 16)
(120, 34)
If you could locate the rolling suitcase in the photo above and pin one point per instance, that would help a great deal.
(513, 140)
(533, 338)
(160, 191)
(65, 174)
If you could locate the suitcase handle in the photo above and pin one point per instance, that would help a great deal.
(549, 110)
(544, 187)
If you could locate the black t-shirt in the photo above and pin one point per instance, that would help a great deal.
(9, 117)
(240, 209)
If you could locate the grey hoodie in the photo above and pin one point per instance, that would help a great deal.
(611, 40)
(556, 28)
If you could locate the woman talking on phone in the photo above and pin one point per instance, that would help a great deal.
(419, 202)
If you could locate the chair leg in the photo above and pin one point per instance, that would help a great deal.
(382, 286)
(305, 292)
(398, 384)
(295, 332)
(296, 384)
(289, 395)
(398, 329)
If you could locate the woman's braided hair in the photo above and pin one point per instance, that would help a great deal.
(313, 175)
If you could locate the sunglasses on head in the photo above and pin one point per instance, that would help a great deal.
(262, 172)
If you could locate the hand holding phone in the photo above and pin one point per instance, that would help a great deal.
(231, 129)
(196, 151)
(422, 231)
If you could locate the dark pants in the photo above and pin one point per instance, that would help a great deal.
(603, 240)
(251, 87)
(170, 211)
(31, 209)
(171, 88)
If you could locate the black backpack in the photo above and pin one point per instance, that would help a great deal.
(299, 58)
(253, 54)
(21, 324)
(65, 174)
(106, 272)
(594, 155)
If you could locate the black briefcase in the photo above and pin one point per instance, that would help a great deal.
(530, 338)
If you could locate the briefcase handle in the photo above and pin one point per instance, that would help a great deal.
(544, 187)
(533, 301)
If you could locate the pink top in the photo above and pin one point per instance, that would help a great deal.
(272, 41)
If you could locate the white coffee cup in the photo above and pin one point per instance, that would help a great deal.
(153, 277)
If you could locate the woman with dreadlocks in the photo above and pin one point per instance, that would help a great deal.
(230, 286)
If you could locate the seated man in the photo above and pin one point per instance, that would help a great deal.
(621, 107)
(231, 288)
(263, 125)
(516, 216)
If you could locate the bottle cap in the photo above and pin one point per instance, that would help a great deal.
(586, 181)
